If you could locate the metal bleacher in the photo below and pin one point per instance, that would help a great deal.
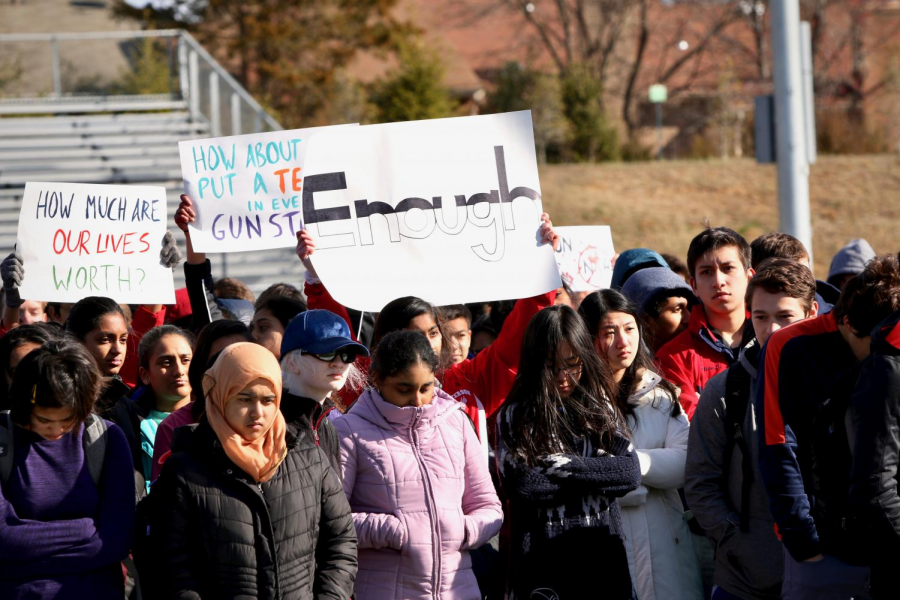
(132, 140)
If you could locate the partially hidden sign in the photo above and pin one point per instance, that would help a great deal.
(81, 240)
(246, 189)
(585, 257)
(447, 210)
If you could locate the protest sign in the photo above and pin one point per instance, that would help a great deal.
(447, 210)
(585, 257)
(246, 188)
(80, 240)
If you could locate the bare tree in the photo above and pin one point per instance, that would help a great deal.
(846, 35)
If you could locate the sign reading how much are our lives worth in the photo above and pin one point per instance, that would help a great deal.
(246, 189)
(80, 240)
(447, 210)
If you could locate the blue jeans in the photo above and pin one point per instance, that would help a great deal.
(827, 579)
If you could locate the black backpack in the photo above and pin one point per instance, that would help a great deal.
(737, 397)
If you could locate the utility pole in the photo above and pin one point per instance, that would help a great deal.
(790, 123)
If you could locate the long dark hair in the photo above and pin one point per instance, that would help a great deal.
(283, 308)
(59, 374)
(594, 308)
(543, 423)
(86, 314)
(397, 314)
(398, 351)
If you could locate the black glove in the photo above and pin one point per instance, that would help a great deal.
(12, 271)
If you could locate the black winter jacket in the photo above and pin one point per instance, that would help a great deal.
(128, 413)
(200, 286)
(216, 534)
(306, 416)
(875, 436)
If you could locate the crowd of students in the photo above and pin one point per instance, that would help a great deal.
(722, 428)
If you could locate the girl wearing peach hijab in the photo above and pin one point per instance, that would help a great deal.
(244, 509)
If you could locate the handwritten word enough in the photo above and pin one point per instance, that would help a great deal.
(465, 209)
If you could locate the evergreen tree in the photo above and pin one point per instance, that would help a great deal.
(591, 138)
(415, 90)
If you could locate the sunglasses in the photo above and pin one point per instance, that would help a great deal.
(347, 356)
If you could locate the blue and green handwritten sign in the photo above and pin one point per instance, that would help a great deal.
(247, 189)
(81, 240)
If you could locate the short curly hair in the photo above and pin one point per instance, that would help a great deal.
(870, 297)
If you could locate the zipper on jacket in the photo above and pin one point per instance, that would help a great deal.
(319, 422)
(432, 507)
(273, 546)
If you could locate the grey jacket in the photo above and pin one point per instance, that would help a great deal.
(749, 565)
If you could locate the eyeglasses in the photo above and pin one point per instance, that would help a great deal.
(570, 370)
(347, 356)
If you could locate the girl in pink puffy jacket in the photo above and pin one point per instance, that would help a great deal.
(418, 486)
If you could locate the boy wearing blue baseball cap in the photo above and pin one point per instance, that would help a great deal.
(317, 356)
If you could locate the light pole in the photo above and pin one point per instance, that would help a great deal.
(790, 125)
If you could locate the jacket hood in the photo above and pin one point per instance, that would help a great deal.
(851, 259)
(886, 336)
(241, 309)
(630, 260)
(378, 411)
(649, 380)
(827, 294)
(646, 285)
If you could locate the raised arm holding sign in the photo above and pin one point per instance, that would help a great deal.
(79, 240)
(246, 188)
(448, 210)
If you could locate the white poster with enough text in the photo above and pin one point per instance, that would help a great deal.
(447, 210)
(246, 188)
(585, 257)
(80, 240)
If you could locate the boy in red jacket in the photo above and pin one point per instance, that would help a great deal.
(719, 263)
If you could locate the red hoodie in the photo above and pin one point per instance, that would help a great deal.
(695, 356)
(481, 383)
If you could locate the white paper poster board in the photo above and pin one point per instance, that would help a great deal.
(584, 256)
(246, 188)
(80, 240)
(447, 210)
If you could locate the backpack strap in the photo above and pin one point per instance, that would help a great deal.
(737, 397)
(6, 446)
(94, 441)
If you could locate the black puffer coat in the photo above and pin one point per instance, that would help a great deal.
(216, 534)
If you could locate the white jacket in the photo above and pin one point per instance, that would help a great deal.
(659, 545)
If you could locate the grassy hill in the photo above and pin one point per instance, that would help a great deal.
(662, 205)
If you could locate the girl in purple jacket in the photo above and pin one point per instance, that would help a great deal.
(67, 493)
(416, 480)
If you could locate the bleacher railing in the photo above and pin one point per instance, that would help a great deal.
(196, 82)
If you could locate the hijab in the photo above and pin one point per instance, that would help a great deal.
(238, 366)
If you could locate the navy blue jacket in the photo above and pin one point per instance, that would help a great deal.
(807, 373)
